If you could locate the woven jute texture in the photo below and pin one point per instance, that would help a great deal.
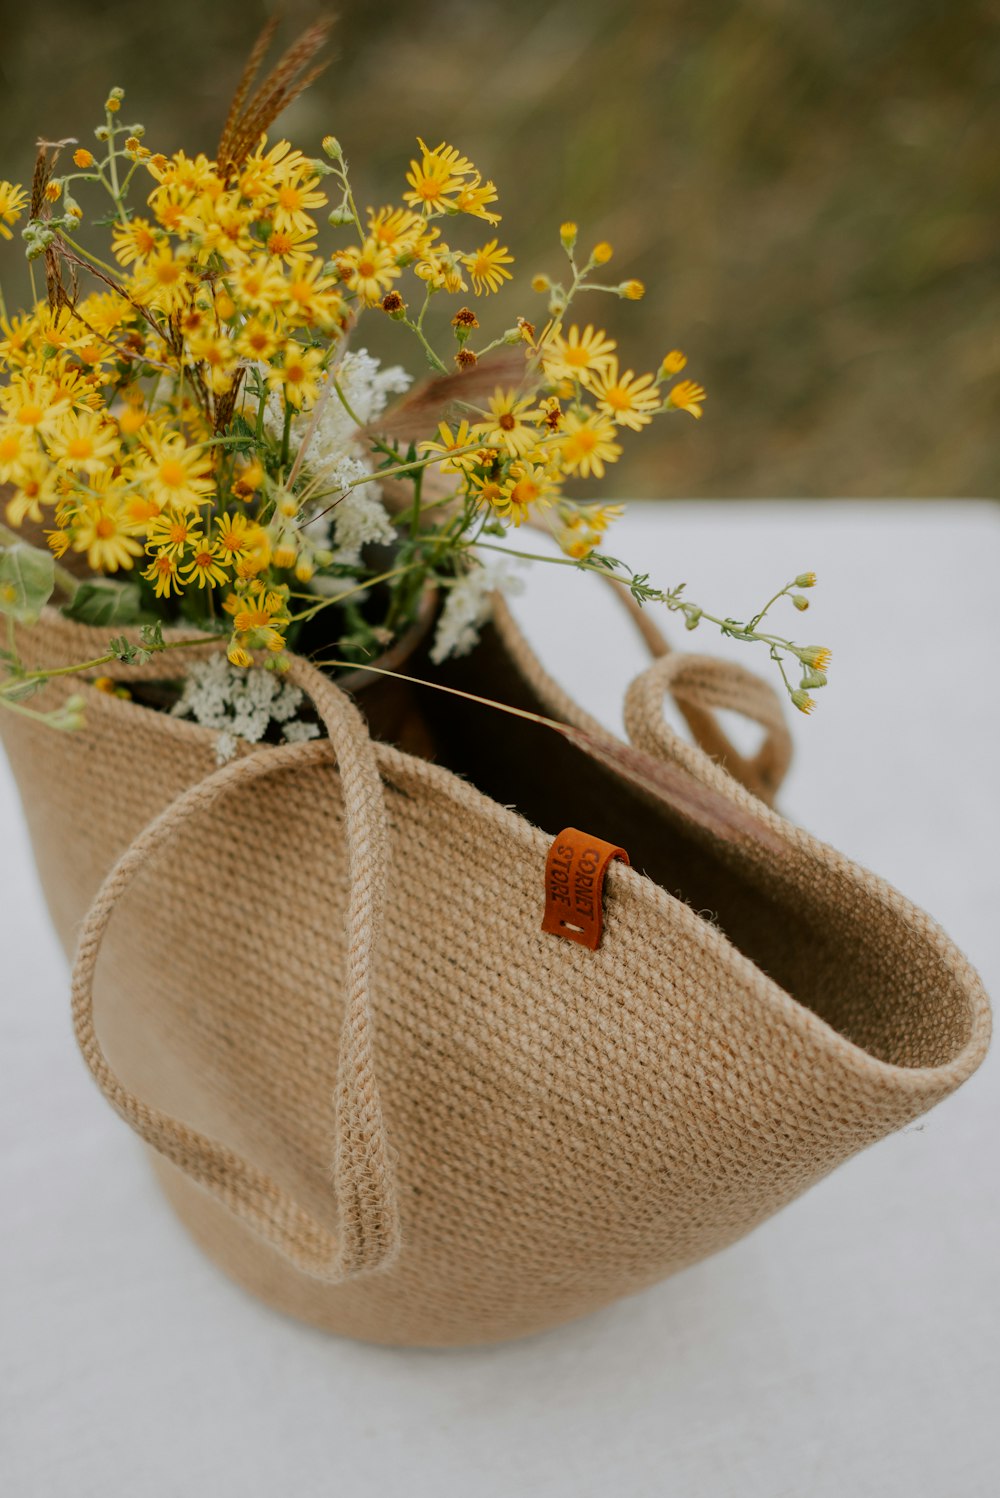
(315, 982)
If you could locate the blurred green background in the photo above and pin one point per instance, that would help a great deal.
(810, 189)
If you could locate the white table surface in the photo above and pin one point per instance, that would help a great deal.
(851, 1346)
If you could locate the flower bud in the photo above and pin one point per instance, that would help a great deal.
(803, 701)
(83, 158)
(632, 291)
(672, 364)
(813, 679)
(693, 618)
(332, 147)
(817, 656)
(102, 132)
(540, 283)
(339, 216)
(567, 235)
(806, 580)
(602, 253)
(800, 603)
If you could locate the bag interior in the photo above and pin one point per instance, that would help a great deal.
(853, 959)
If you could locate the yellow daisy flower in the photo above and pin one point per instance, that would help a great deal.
(231, 534)
(30, 401)
(85, 442)
(475, 197)
(16, 340)
(259, 285)
(577, 354)
(38, 485)
(449, 446)
(436, 178)
(311, 296)
(398, 229)
(532, 486)
(257, 340)
(487, 265)
(165, 281)
(368, 270)
(629, 400)
(205, 567)
(492, 492)
(162, 571)
(298, 377)
(509, 426)
(687, 395)
(134, 241)
(297, 193)
(588, 443)
(13, 200)
(174, 532)
(174, 474)
(289, 245)
(102, 531)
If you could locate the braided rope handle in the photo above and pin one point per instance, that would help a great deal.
(718, 684)
(699, 684)
(368, 1234)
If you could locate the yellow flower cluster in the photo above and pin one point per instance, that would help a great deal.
(523, 448)
(137, 424)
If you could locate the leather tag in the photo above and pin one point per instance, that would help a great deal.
(574, 886)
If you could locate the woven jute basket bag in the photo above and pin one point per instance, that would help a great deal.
(316, 983)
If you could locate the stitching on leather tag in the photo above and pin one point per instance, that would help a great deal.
(574, 886)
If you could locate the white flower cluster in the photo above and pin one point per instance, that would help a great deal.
(467, 607)
(335, 457)
(241, 704)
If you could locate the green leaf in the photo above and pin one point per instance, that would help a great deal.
(20, 691)
(125, 651)
(151, 635)
(27, 577)
(105, 603)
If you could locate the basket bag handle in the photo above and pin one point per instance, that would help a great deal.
(699, 684)
(716, 684)
(368, 1221)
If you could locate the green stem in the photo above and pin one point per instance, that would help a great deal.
(286, 434)
(730, 627)
(383, 577)
(104, 660)
(417, 328)
(94, 259)
(113, 167)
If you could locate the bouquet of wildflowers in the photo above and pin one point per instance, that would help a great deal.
(193, 434)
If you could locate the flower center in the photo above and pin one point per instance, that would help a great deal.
(172, 474)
